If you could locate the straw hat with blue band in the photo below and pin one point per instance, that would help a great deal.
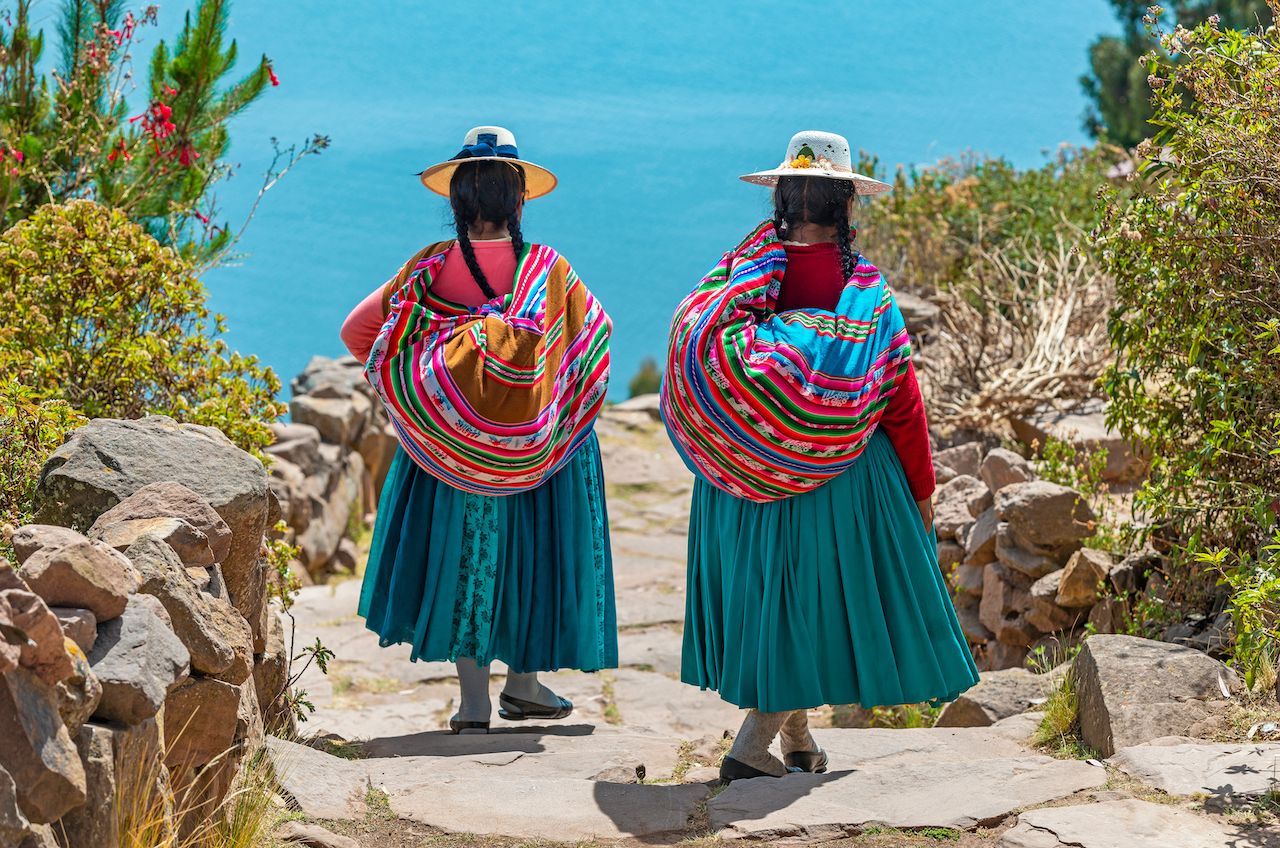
(489, 144)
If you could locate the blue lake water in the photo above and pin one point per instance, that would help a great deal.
(646, 111)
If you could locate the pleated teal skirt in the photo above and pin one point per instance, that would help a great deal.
(526, 578)
(830, 597)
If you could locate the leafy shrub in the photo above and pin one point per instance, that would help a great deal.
(1196, 261)
(938, 222)
(647, 381)
(29, 431)
(95, 312)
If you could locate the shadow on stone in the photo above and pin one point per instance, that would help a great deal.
(442, 743)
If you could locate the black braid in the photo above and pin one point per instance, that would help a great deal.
(469, 254)
(820, 201)
(486, 191)
(845, 240)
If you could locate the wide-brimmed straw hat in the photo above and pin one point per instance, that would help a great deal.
(485, 144)
(813, 153)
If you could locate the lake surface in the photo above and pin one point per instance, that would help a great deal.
(646, 111)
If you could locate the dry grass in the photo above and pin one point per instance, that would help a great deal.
(1016, 333)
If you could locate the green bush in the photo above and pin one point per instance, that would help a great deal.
(1196, 261)
(30, 430)
(938, 222)
(647, 381)
(95, 312)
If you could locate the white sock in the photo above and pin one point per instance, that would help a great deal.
(473, 705)
(525, 686)
(795, 733)
(751, 745)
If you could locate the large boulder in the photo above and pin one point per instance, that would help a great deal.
(84, 574)
(1051, 515)
(80, 694)
(191, 546)
(107, 460)
(980, 539)
(1085, 573)
(93, 824)
(998, 695)
(299, 445)
(1034, 563)
(10, 643)
(331, 511)
(1085, 430)
(213, 632)
(271, 676)
(168, 499)
(36, 750)
(1002, 467)
(1133, 690)
(340, 420)
(959, 502)
(79, 625)
(1005, 603)
(138, 660)
(13, 824)
(965, 459)
(45, 651)
(32, 537)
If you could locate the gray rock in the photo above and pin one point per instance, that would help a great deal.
(377, 447)
(964, 460)
(1005, 602)
(1133, 690)
(1002, 467)
(980, 540)
(79, 694)
(312, 836)
(1050, 514)
(1128, 823)
(40, 836)
(169, 499)
(138, 659)
(45, 652)
(960, 795)
(650, 405)
(971, 622)
(1033, 564)
(13, 824)
(1130, 574)
(1228, 773)
(1084, 574)
(107, 460)
(331, 514)
(212, 631)
(270, 676)
(949, 554)
(968, 579)
(191, 546)
(32, 537)
(1086, 430)
(1109, 615)
(959, 502)
(942, 474)
(997, 695)
(1001, 655)
(93, 824)
(211, 724)
(82, 574)
(36, 750)
(79, 625)
(299, 445)
(340, 421)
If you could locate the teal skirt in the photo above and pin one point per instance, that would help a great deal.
(830, 597)
(526, 578)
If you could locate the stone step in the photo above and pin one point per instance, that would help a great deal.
(1129, 823)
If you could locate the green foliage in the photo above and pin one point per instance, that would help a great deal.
(1255, 606)
(1059, 730)
(938, 222)
(68, 131)
(30, 430)
(95, 312)
(1060, 462)
(1116, 85)
(647, 381)
(1196, 262)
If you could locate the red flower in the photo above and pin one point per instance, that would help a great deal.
(17, 154)
(187, 155)
(204, 219)
(271, 72)
(118, 151)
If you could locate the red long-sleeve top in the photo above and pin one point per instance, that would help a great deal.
(814, 280)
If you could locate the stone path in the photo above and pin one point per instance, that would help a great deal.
(636, 760)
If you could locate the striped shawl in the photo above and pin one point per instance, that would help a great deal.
(768, 405)
(492, 400)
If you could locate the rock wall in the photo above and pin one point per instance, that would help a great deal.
(329, 463)
(137, 644)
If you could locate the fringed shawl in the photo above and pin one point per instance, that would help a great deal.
(767, 405)
(492, 400)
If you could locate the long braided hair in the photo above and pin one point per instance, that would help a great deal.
(816, 200)
(491, 192)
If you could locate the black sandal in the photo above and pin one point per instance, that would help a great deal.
(456, 726)
(518, 709)
(731, 770)
(814, 762)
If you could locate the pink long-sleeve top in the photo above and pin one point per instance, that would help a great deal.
(454, 282)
